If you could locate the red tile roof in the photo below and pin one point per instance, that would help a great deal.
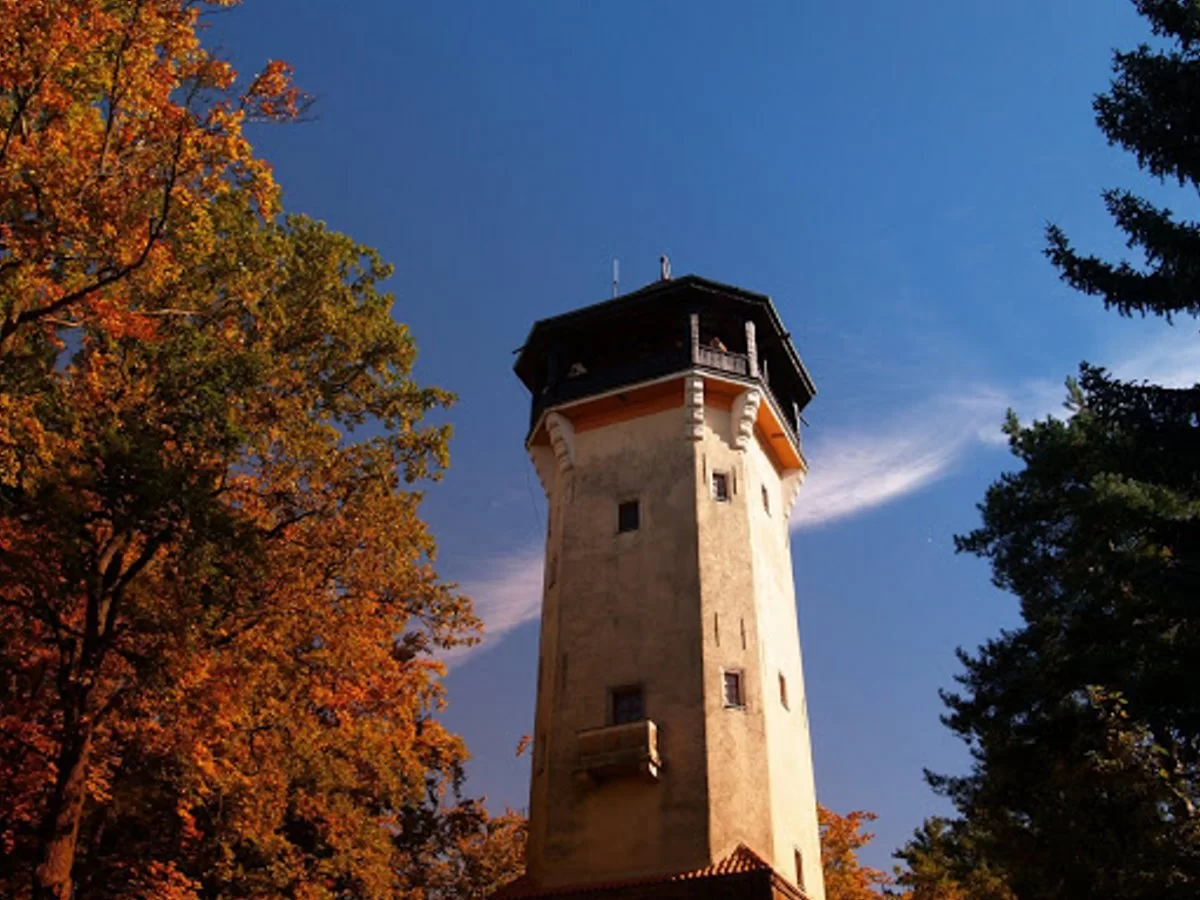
(741, 861)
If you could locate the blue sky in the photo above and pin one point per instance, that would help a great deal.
(883, 170)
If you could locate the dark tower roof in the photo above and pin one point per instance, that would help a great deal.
(680, 293)
(647, 335)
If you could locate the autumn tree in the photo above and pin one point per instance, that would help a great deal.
(939, 863)
(116, 130)
(461, 853)
(842, 838)
(217, 599)
(1082, 723)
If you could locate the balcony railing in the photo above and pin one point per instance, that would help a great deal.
(723, 360)
(615, 751)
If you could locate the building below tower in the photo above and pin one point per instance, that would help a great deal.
(743, 876)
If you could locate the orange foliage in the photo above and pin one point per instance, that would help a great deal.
(461, 854)
(841, 839)
(217, 598)
(116, 130)
(216, 607)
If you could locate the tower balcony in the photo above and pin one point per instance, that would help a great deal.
(723, 361)
(620, 751)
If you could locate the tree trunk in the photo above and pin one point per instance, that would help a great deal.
(60, 827)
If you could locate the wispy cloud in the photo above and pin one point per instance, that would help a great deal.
(1173, 360)
(854, 470)
(508, 594)
(858, 469)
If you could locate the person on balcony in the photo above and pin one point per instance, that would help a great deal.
(717, 344)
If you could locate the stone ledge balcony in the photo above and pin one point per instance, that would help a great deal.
(620, 751)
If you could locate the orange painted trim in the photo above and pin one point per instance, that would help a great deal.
(587, 415)
(775, 435)
(630, 410)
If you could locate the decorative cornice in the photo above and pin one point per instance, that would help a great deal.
(693, 402)
(745, 414)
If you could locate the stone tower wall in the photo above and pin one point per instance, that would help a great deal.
(700, 588)
(789, 748)
(760, 767)
(622, 609)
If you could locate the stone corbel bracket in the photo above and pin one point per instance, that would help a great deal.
(557, 459)
(744, 415)
(693, 404)
(542, 458)
(562, 439)
(792, 479)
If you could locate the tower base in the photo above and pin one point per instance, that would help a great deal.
(743, 875)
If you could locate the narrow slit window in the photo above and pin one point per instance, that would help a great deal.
(783, 697)
(732, 686)
(720, 486)
(766, 495)
(628, 516)
(799, 870)
(628, 705)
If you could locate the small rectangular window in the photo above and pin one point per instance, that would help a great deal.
(783, 698)
(720, 486)
(766, 500)
(628, 518)
(799, 870)
(628, 705)
(732, 685)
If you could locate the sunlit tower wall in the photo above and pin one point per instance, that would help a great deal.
(671, 742)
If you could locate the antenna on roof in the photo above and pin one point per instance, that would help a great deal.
(616, 274)
(664, 268)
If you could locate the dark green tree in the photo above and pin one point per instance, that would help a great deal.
(1084, 722)
(942, 863)
(1152, 109)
